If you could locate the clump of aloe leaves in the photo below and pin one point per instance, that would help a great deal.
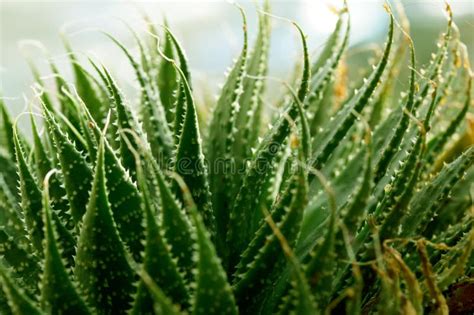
(351, 201)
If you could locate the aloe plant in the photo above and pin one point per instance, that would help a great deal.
(356, 206)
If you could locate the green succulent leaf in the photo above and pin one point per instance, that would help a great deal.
(324, 73)
(102, 269)
(58, 293)
(190, 164)
(86, 87)
(24, 266)
(43, 165)
(19, 302)
(158, 261)
(161, 304)
(74, 167)
(8, 170)
(152, 112)
(10, 218)
(223, 129)
(30, 198)
(177, 228)
(326, 141)
(268, 260)
(213, 294)
(248, 118)
(6, 131)
(431, 197)
(168, 78)
(242, 222)
(124, 198)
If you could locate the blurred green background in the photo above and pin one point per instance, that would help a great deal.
(209, 30)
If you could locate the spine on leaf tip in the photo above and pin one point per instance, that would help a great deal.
(243, 220)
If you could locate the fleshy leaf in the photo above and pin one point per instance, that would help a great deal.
(243, 219)
(58, 293)
(86, 87)
(268, 261)
(167, 78)
(426, 203)
(75, 169)
(213, 294)
(161, 303)
(43, 166)
(102, 268)
(223, 128)
(177, 227)
(327, 140)
(24, 266)
(153, 115)
(124, 198)
(18, 301)
(158, 262)
(6, 131)
(30, 198)
(190, 162)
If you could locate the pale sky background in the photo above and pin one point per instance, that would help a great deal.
(209, 30)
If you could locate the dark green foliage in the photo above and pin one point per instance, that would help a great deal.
(352, 206)
(58, 293)
(102, 267)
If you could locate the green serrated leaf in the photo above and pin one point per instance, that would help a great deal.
(427, 202)
(244, 220)
(189, 162)
(268, 262)
(75, 169)
(24, 266)
(66, 106)
(18, 301)
(158, 261)
(153, 115)
(323, 73)
(102, 269)
(161, 303)
(180, 99)
(8, 169)
(392, 146)
(124, 197)
(43, 165)
(248, 118)
(177, 228)
(58, 293)
(213, 293)
(437, 143)
(6, 131)
(126, 121)
(326, 141)
(168, 78)
(10, 218)
(86, 87)
(223, 129)
(30, 198)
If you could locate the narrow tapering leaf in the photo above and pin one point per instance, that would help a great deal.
(102, 267)
(19, 302)
(326, 141)
(30, 198)
(213, 293)
(153, 115)
(75, 169)
(223, 128)
(158, 261)
(190, 162)
(58, 293)
(243, 221)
